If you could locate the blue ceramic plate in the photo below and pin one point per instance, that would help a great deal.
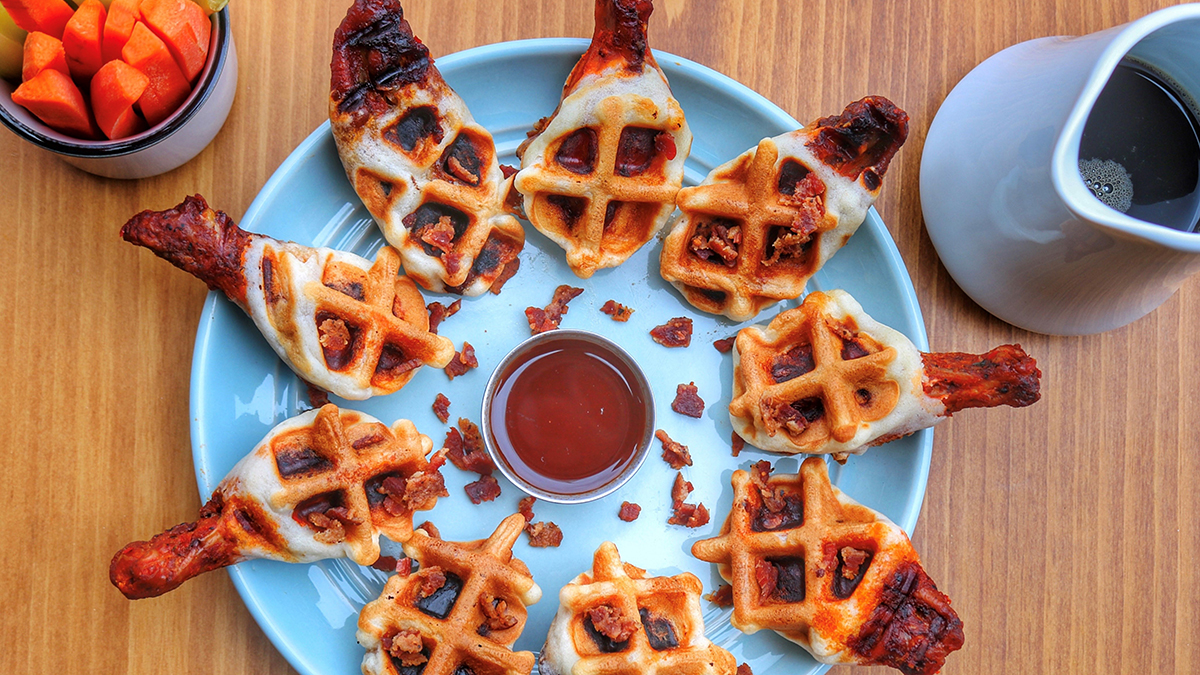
(240, 389)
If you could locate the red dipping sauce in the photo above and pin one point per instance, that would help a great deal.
(569, 415)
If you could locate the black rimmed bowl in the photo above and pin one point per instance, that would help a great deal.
(625, 376)
(161, 148)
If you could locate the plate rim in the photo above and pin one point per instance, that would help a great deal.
(280, 640)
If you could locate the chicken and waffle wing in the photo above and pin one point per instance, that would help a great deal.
(615, 620)
(835, 577)
(827, 378)
(458, 615)
(599, 176)
(323, 484)
(423, 167)
(343, 323)
(760, 226)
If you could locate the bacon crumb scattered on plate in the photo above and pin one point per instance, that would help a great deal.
(466, 450)
(525, 508)
(617, 311)
(542, 320)
(462, 362)
(687, 401)
(629, 512)
(675, 454)
(483, 490)
(675, 332)
(439, 313)
(688, 515)
(724, 345)
(744, 669)
(722, 597)
(441, 408)
(737, 442)
(544, 535)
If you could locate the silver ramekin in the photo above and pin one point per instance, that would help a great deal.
(639, 456)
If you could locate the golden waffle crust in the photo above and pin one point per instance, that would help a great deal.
(453, 628)
(423, 167)
(835, 577)
(668, 635)
(827, 378)
(761, 225)
(582, 186)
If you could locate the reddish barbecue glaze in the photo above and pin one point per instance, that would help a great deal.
(568, 416)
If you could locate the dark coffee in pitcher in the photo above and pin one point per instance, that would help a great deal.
(1140, 150)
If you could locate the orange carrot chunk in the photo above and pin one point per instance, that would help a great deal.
(81, 39)
(115, 88)
(182, 25)
(53, 97)
(42, 52)
(122, 14)
(168, 86)
(44, 16)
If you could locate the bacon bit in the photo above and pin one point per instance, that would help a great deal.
(718, 241)
(772, 499)
(439, 313)
(508, 171)
(544, 535)
(680, 491)
(724, 345)
(675, 332)
(525, 508)
(496, 615)
(462, 362)
(394, 488)
(483, 490)
(333, 335)
(439, 235)
(455, 168)
(852, 560)
(423, 488)
(466, 451)
(542, 320)
(722, 597)
(386, 563)
(744, 669)
(629, 512)
(767, 576)
(405, 646)
(441, 408)
(617, 311)
(674, 454)
(317, 397)
(689, 515)
(809, 203)
(738, 443)
(331, 530)
(611, 623)
(430, 529)
(687, 401)
(432, 578)
(510, 269)
(404, 567)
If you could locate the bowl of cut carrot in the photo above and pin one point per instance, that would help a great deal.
(118, 88)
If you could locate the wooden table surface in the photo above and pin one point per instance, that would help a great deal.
(1065, 533)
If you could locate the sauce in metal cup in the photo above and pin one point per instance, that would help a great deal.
(568, 416)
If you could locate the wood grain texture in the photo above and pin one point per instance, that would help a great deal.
(1065, 533)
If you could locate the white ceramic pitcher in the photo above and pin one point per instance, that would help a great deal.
(1003, 199)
